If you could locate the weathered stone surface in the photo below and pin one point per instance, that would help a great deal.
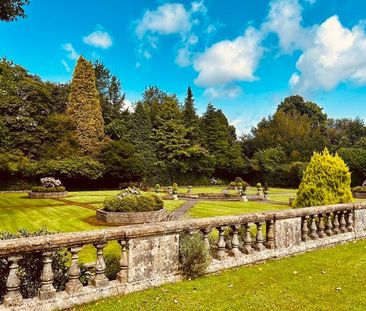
(153, 257)
(360, 220)
(287, 232)
(131, 218)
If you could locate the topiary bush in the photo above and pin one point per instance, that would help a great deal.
(326, 180)
(131, 200)
(157, 188)
(175, 188)
(193, 255)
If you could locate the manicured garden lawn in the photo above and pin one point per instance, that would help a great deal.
(217, 208)
(329, 279)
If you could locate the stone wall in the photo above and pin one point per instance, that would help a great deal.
(47, 195)
(150, 252)
(131, 218)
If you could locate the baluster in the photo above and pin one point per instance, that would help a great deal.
(342, 222)
(350, 221)
(321, 233)
(305, 230)
(336, 223)
(100, 279)
(13, 297)
(270, 234)
(313, 228)
(74, 285)
(259, 238)
(235, 241)
(122, 275)
(47, 289)
(247, 240)
(206, 239)
(328, 225)
(221, 244)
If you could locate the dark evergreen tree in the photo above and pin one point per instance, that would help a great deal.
(10, 10)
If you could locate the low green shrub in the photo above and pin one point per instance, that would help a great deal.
(45, 189)
(157, 188)
(134, 203)
(112, 266)
(193, 254)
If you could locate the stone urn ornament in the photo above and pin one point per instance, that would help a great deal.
(189, 191)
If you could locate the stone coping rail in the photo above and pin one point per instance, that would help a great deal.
(149, 254)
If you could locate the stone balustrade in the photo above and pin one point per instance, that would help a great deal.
(150, 252)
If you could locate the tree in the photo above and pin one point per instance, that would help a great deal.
(297, 104)
(111, 98)
(10, 10)
(84, 108)
(355, 158)
(326, 180)
(217, 138)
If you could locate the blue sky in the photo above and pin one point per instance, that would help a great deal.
(244, 56)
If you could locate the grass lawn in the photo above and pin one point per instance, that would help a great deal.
(221, 208)
(329, 279)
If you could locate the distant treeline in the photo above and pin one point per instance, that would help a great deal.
(84, 134)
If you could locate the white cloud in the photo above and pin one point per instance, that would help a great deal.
(99, 39)
(169, 18)
(129, 105)
(184, 58)
(236, 122)
(66, 65)
(198, 6)
(337, 55)
(223, 92)
(284, 19)
(72, 54)
(227, 61)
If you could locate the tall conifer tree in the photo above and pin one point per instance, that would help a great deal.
(84, 108)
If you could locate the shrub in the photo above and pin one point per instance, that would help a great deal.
(175, 188)
(232, 184)
(157, 188)
(326, 180)
(238, 180)
(194, 255)
(31, 267)
(112, 266)
(134, 203)
(259, 186)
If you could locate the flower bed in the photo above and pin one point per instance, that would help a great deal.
(51, 189)
(359, 192)
(131, 207)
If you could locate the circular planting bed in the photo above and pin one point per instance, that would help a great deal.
(359, 195)
(123, 218)
(47, 195)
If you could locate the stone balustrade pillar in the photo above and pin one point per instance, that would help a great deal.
(122, 275)
(100, 279)
(206, 239)
(235, 241)
(221, 244)
(74, 285)
(247, 240)
(349, 221)
(259, 238)
(336, 223)
(328, 225)
(321, 227)
(342, 222)
(270, 234)
(47, 289)
(313, 228)
(13, 297)
(304, 229)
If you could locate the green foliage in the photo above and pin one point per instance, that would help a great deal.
(193, 254)
(50, 189)
(138, 203)
(157, 188)
(31, 266)
(355, 159)
(112, 266)
(121, 162)
(10, 10)
(84, 108)
(326, 180)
